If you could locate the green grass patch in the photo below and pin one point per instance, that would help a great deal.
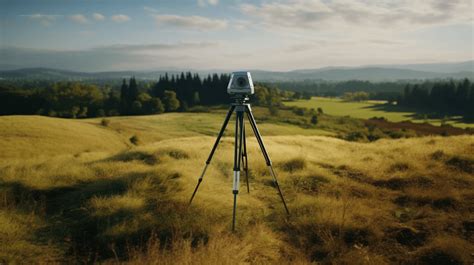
(369, 109)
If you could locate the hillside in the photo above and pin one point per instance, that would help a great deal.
(376, 73)
(28, 136)
(78, 192)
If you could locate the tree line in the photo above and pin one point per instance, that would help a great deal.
(444, 98)
(133, 97)
(380, 90)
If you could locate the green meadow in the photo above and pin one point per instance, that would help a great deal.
(369, 109)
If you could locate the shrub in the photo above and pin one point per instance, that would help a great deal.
(178, 154)
(395, 134)
(399, 166)
(314, 119)
(299, 111)
(462, 164)
(105, 122)
(134, 140)
(294, 164)
(274, 110)
(355, 136)
(373, 137)
(438, 155)
(320, 111)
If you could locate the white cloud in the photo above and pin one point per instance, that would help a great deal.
(317, 14)
(120, 18)
(206, 2)
(98, 16)
(191, 22)
(156, 47)
(45, 20)
(79, 18)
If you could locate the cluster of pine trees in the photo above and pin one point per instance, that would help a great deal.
(191, 90)
(175, 93)
(81, 100)
(444, 98)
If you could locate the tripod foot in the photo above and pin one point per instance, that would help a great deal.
(235, 192)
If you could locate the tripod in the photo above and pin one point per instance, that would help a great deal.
(240, 151)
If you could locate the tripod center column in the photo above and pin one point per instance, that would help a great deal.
(240, 109)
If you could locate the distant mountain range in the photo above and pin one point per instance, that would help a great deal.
(376, 73)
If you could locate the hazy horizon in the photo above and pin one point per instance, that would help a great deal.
(211, 34)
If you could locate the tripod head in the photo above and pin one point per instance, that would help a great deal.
(240, 99)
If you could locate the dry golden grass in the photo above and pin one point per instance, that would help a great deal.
(92, 197)
(28, 136)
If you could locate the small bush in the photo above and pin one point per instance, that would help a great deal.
(355, 136)
(461, 164)
(299, 111)
(178, 154)
(274, 110)
(314, 120)
(309, 184)
(438, 155)
(320, 111)
(395, 134)
(294, 164)
(134, 140)
(105, 122)
(399, 166)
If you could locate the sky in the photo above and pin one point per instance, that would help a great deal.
(111, 35)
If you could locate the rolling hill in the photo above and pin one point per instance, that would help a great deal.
(370, 73)
(76, 192)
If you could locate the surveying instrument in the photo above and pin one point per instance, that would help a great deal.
(240, 87)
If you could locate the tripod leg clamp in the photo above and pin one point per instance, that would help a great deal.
(236, 182)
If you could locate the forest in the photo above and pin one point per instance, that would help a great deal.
(443, 98)
(187, 91)
(74, 99)
(376, 90)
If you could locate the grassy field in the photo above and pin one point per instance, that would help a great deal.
(369, 109)
(76, 191)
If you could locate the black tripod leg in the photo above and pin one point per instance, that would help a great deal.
(253, 124)
(245, 161)
(237, 158)
(208, 161)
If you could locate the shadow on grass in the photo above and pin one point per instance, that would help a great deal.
(417, 113)
(86, 236)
